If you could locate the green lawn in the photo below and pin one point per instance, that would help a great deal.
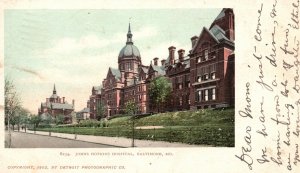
(206, 127)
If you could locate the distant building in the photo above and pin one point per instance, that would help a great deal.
(56, 105)
(201, 78)
(84, 114)
(94, 100)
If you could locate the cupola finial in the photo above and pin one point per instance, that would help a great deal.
(54, 89)
(129, 35)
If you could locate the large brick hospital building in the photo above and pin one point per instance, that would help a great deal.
(202, 77)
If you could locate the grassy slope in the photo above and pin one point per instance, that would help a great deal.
(183, 118)
(211, 127)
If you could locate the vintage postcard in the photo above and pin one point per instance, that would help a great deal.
(125, 86)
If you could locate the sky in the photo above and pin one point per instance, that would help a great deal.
(73, 49)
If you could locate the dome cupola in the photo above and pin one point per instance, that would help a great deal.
(129, 51)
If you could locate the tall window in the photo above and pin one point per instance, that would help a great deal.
(199, 79)
(212, 70)
(206, 54)
(199, 96)
(128, 66)
(188, 99)
(180, 101)
(206, 95)
(213, 75)
(179, 82)
(205, 77)
(213, 94)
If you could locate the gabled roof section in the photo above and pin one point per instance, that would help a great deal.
(45, 104)
(62, 106)
(115, 72)
(200, 38)
(218, 33)
(85, 110)
(221, 15)
(97, 88)
(159, 69)
(145, 69)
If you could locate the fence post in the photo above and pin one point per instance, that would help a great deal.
(75, 135)
(170, 134)
(154, 135)
(190, 134)
(118, 131)
(94, 130)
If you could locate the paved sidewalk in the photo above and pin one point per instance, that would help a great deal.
(114, 141)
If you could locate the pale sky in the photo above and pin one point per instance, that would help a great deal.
(75, 48)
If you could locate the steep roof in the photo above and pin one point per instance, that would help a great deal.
(221, 14)
(160, 69)
(46, 104)
(62, 106)
(145, 69)
(53, 96)
(85, 110)
(218, 33)
(97, 88)
(115, 72)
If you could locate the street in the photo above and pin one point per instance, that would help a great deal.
(26, 140)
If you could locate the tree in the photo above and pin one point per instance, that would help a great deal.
(159, 91)
(12, 101)
(59, 119)
(48, 120)
(22, 116)
(131, 107)
(35, 120)
(100, 112)
(24, 120)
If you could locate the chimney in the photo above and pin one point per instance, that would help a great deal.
(155, 61)
(63, 99)
(194, 40)
(229, 31)
(73, 103)
(172, 54)
(181, 55)
(163, 61)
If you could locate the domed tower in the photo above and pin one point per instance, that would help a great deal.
(129, 58)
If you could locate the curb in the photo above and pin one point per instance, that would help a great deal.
(73, 139)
